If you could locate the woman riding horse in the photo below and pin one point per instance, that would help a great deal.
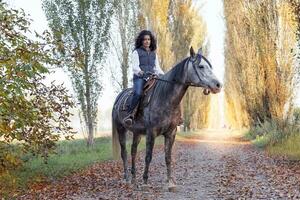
(161, 112)
(144, 60)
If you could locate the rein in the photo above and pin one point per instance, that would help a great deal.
(176, 82)
(189, 83)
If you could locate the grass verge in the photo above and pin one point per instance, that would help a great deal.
(70, 156)
(289, 148)
(277, 139)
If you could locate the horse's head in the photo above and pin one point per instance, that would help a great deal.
(200, 73)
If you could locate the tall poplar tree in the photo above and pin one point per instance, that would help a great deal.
(127, 26)
(84, 26)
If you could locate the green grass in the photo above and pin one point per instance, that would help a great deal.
(289, 148)
(269, 133)
(187, 135)
(71, 156)
(260, 141)
(277, 139)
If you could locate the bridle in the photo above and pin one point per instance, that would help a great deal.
(195, 61)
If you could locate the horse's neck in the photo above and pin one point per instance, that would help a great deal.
(173, 96)
(169, 95)
(177, 94)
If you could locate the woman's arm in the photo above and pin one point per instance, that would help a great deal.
(135, 63)
(157, 68)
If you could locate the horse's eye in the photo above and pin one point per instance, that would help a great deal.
(201, 66)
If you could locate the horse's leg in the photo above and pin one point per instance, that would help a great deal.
(169, 141)
(135, 142)
(149, 148)
(122, 138)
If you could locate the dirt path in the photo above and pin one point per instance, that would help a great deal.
(211, 166)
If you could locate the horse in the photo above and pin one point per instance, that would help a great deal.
(161, 114)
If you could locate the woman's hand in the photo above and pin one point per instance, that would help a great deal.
(141, 73)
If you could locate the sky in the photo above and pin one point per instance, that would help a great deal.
(211, 11)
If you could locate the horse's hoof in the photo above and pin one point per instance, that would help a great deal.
(172, 187)
(145, 187)
(125, 181)
(133, 181)
(136, 187)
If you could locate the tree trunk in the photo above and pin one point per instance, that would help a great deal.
(90, 140)
(125, 64)
(89, 121)
(90, 125)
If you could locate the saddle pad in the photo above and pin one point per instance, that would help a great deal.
(126, 100)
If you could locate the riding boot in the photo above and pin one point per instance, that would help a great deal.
(138, 84)
(128, 120)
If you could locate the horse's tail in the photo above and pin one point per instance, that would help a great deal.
(116, 149)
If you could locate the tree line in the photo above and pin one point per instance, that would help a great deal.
(261, 66)
(85, 25)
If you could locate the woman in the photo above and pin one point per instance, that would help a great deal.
(144, 60)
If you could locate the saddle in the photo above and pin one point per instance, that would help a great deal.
(150, 82)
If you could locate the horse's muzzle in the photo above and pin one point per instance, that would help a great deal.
(216, 87)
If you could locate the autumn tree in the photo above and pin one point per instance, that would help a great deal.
(260, 70)
(178, 26)
(33, 115)
(83, 25)
(154, 15)
(189, 29)
(126, 19)
(296, 8)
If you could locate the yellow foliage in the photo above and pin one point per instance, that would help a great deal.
(178, 26)
(259, 72)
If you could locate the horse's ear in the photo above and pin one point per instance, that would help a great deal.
(192, 52)
(200, 52)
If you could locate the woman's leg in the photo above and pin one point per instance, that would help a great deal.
(138, 84)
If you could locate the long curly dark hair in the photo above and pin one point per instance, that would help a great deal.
(139, 40)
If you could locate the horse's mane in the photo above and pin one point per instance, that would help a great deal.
(174, 74)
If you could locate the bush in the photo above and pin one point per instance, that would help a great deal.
(296, 115)
(272, 132)
(289, 147)
(33, 115)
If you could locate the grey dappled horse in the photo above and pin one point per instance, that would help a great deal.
(160, 115)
